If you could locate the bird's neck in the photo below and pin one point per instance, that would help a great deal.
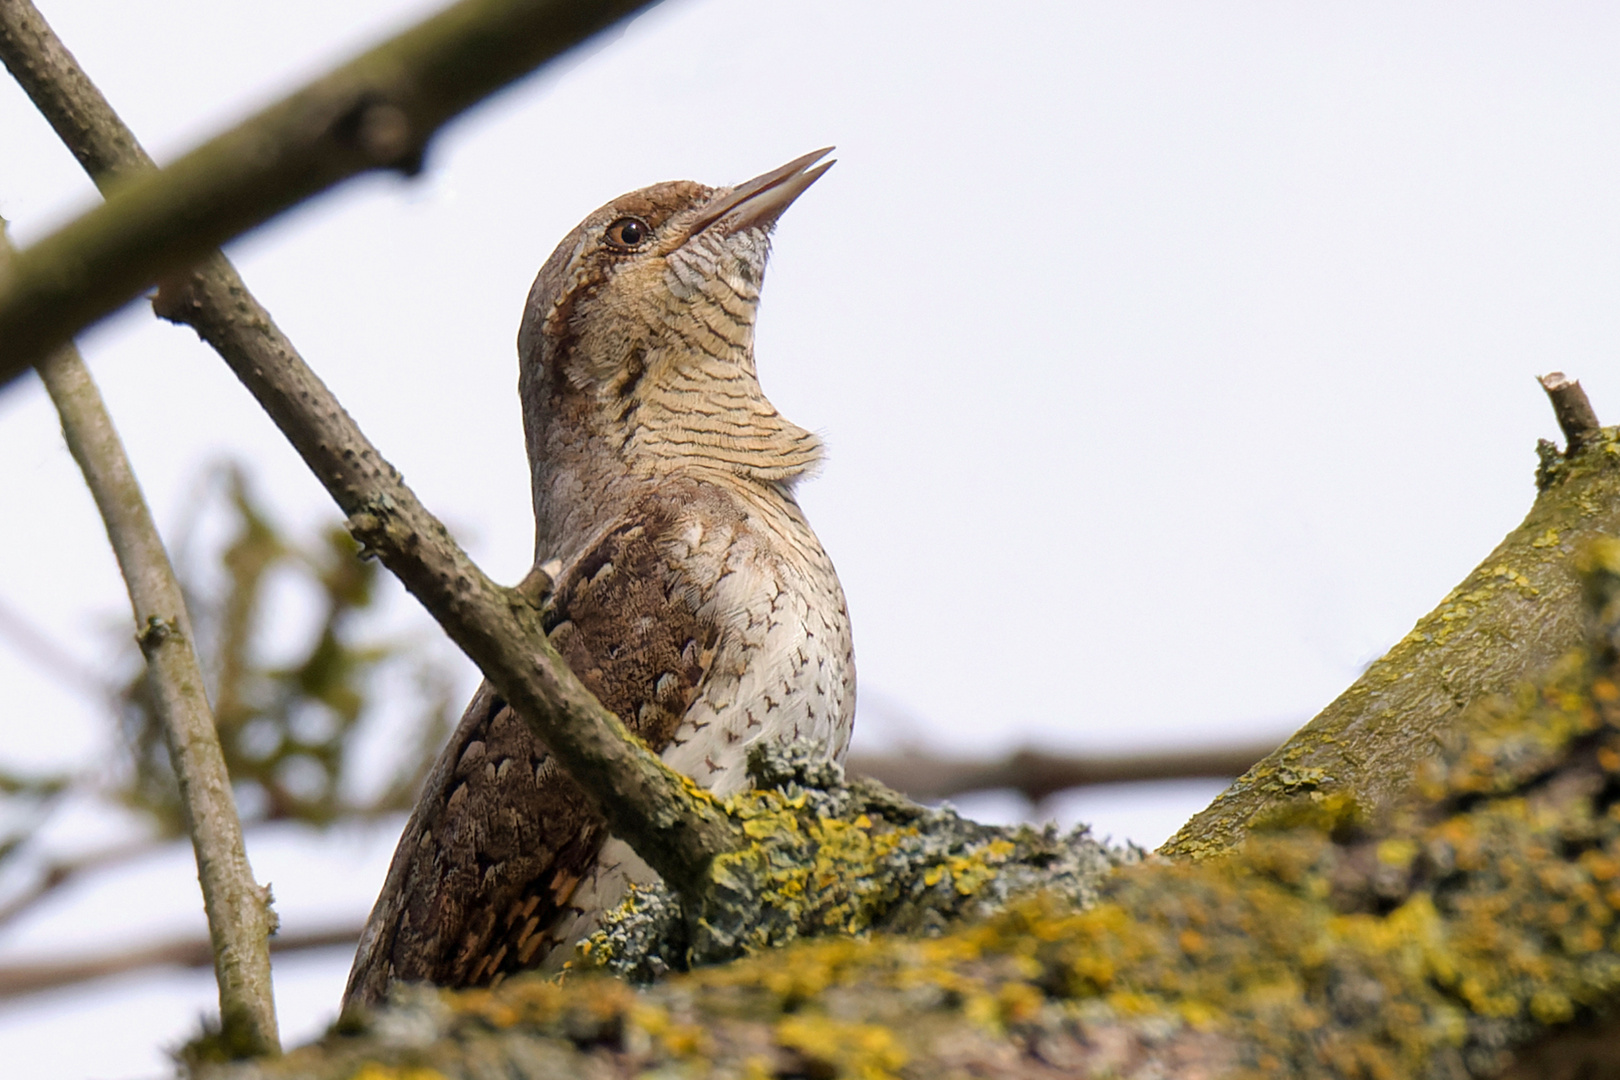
(692, 412)
(705, 413)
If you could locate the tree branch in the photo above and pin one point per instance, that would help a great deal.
(1038, 774)
(1469, 925)
(58, 873)
(376, 112)
(668, 821)
(1576, 418)
(239, 917)
(191, 952)
(238, 910)
(1518, 611)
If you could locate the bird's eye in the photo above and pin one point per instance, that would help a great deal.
(627, 233)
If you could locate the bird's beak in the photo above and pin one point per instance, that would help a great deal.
(758, 203)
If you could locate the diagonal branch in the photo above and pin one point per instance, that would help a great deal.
(1518, 611)
(377, 112)
(240, 921)
(32, 642)
(58, 873)
(676, 828)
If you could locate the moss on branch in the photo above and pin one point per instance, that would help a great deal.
(1516, 613)
(1474, 923)
(834, 856)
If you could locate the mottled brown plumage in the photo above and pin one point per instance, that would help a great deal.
(691, 597)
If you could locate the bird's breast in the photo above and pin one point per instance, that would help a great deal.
(784, 666)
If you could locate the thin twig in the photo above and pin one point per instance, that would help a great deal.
(51, 657)
(191, 952)
(55, 875)
(376, 112)
(1038, 775)
(1576, 417)
(239, 916)
(677, 829)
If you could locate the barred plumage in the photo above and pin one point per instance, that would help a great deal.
(691, 595)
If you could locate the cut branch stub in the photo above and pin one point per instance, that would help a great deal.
(1517, 612)
(1576, 417)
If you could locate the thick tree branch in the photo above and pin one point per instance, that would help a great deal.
(1038, 774)
(239, 917)
(376, 112)
(668, 821)
(1467, 926)
(1517, 612)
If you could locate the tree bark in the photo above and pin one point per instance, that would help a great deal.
(240, 919)
(1517, 612)
(1461, 933)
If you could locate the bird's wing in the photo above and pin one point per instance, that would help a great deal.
(501, 836)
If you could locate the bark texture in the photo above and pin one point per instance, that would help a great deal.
(1516, 613)
(1471, 929)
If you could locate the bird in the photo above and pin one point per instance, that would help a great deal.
(687, 590)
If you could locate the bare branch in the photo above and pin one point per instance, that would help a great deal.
(377, 112)
(1037, 774)
(239, 916)
(1576, 418)
(193, 952)
(59, 873)
(55, 875)
(35, 644)
(675, 827)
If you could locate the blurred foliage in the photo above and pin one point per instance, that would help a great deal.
(290, 731)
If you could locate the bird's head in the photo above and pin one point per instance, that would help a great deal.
(640, 327)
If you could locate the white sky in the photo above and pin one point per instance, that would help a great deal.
(1173, 357)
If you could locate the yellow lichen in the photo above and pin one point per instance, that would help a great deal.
(373, 1071)
(859, 1051)
(1330, 944)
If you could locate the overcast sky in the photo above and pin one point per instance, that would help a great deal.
(1173, 358)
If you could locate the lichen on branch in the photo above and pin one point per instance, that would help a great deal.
(834, 855)
(1517, 612)
(1473, 928)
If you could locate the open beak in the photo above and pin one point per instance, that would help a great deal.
(758, 203)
